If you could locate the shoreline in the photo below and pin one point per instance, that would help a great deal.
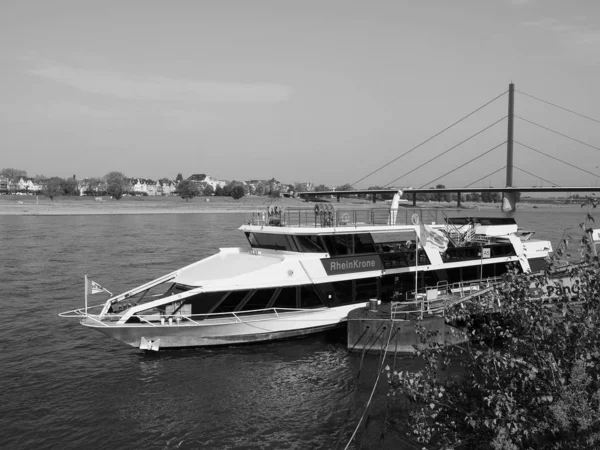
(62, 206)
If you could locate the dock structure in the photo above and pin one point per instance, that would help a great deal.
(372, 330)
(395, 326)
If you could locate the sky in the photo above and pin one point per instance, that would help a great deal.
(320, 91)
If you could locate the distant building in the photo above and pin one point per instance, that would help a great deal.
(140, 186)
(3, 185)
(201, 179)
(166, 187)
(28, 186)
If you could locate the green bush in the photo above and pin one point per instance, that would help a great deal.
(528, 378)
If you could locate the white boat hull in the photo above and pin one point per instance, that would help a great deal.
(227, 331)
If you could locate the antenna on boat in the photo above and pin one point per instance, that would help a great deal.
(417, 222)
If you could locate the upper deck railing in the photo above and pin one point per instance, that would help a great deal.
(325, 215)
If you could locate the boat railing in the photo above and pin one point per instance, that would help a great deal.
(434, 300)
(159, 319)
(324, 215)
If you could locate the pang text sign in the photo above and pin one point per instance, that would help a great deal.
(336, 266)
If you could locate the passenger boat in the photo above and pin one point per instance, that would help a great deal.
(306, 268)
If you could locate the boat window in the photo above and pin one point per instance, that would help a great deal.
(395, 286)
(259, 300)
(309, 298)
(286, 298)
(252, 240)
(310, 244)
(203, 303)
(394, 237)
(339, 244)
(272, 241)
(231, 302)
(471, 273)
(349, 244)
(400, 257)
(336, 294)
(502, 250)
(423, 258)
(363, 243)
(489, 271)
(365, 289)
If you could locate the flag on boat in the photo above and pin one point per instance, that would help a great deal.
(94, 288)
(431, 237)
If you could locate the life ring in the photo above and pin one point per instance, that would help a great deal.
(345, 218)
(415, 219)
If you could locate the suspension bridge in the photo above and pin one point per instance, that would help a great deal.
(509, 190)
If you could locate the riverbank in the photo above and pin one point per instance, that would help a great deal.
(30, 205)
(41, 205)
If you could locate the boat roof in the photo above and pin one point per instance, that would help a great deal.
(235, 267)
(225, 264)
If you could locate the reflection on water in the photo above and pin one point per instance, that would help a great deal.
(80, 389)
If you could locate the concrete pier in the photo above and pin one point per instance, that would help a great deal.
(370, 330)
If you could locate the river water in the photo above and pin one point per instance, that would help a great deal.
(64, 386)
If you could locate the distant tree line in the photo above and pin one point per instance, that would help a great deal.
(116, 184)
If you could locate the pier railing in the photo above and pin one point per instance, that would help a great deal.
(436, 300)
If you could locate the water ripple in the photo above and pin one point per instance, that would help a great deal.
(66, 387)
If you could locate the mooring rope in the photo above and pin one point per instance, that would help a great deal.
(362, 358)
(358, 340)
(372, 393)
(387, 408)
(376, 338)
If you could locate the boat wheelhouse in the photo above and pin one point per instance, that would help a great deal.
(306, 268)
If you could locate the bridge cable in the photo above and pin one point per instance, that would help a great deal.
(557, 159)
(430, 138)
(560, 107)
(450, 149)
(556, 132)
(534, 175)
(460, 167)
(488, 175)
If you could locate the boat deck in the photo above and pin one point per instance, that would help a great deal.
(327, 215)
